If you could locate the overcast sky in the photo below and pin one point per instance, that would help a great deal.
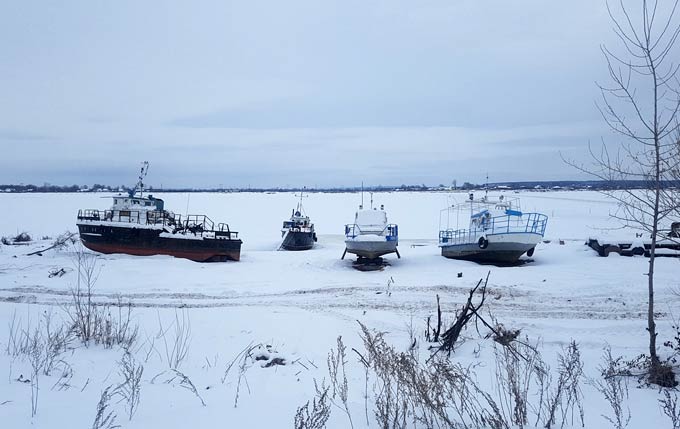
(316, 93)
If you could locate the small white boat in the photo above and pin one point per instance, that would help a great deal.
(371, 236)
(498, 231)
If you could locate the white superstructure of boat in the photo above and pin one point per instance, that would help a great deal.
(498, 231)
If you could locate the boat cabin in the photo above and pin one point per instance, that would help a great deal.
(297, 221)
(127, 202)
(371, 221)
(487, 217)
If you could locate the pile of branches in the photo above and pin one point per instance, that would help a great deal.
(19, 239)
(468, 312)
(59, 243)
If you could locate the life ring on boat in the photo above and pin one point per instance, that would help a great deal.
(483, 243)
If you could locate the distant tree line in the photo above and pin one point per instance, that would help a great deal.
(466, 186)
(54, 188)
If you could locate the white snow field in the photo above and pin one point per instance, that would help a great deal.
(298, 303)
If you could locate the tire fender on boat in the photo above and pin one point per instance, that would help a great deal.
(530, 252)
(483, 243)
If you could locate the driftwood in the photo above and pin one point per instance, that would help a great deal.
(469, 310)
(432, 334)
(57, 272)
(59, 242)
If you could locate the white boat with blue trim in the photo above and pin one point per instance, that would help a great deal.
(498, 231)
(371, 236)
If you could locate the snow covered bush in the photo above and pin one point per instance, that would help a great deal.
(177, 346)
(131, 373)
(613, 385)
(92, 322)
(440, 392)
(22, 237)
(105, 418)
(319, 414)
(337, 369)
(670, 407)
(41, 347)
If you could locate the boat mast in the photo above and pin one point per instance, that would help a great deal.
(302, 195)
(142, 174)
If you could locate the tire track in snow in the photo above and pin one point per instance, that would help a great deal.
(413, 300)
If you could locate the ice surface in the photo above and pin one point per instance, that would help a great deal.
(299, 302)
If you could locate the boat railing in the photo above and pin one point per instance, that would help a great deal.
(299, 228)
(88, 214)
(533, 223)
(196, 224)
(156, 217)
(203, 225)
(142, 217)
(390, 231)
(456, 236)
(223, 231)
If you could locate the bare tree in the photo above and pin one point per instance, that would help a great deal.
(641, 105)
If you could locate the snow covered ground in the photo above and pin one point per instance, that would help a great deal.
(299, 302)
